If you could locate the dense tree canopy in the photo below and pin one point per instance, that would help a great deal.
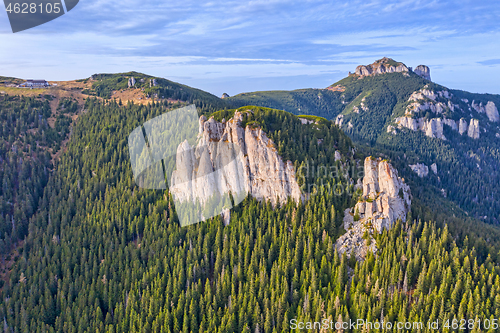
(103, 255)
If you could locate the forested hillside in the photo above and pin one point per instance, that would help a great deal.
(319, 102)
(103, 255)
(34, 129)
(30, 135)
(106, 85)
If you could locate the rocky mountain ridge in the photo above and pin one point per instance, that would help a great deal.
(425, 122)
(385, 199)
(231, 158)
(444, 108)
(388, 65)
(382, 66)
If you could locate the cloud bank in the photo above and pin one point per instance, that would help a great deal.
(235, 46)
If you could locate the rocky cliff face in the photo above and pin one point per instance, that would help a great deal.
(432, 128)
(492, 112)
(473, 130)
(382, 66)
(260, 171)
(423, 71)
(442, 103)
(385, 199)
(490, 109)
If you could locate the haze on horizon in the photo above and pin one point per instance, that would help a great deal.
(234, 47)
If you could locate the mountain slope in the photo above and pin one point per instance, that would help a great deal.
(36, 123)
(32, 134)
(93, 218)
(451, 136)
(103, 255)
(320, 102)
(149, 88)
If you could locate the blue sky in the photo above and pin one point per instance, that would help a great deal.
(237, 46)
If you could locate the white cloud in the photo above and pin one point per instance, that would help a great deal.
(237, 40)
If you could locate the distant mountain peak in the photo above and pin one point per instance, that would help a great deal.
(388, 65)
(381, 66)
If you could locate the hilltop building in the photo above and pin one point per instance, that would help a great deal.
(34, 84)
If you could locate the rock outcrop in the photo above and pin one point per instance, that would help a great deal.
(434, 168)
(425, 99)
(478, 107)
(423, 71)
(490, 109)
(462, 126)
(339, 120)
(386, 198)
(492, 112)
(440, 102)
(420, 169)
(225, 95)
(473, 131)
(306, 121)
(338, 157)
(131, 82)
(262, 172)
(382, 66)
(432, 128)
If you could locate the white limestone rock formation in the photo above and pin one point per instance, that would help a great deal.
(492, 112)
(260, 171)
(131, 82)
(382, 66)
(408, 122)
(490, 109)
(440, 103)
(478, 107)
(423, 71)
(226, 216)
(473, 131)
(338, 157)
(425, 99)
(420, 169)
(386, 198)
(434, 168)
(432, 128)
(462, 126)
(339, 120)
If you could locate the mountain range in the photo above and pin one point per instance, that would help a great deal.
(373, 199)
